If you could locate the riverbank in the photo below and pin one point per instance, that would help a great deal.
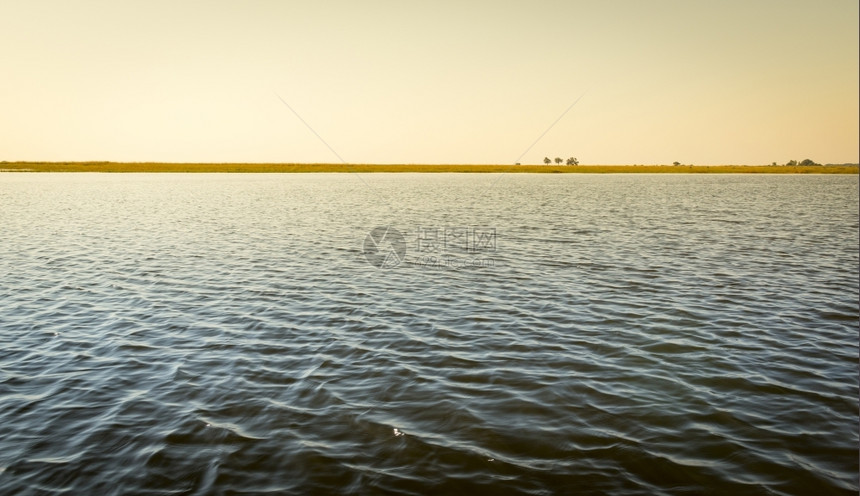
(369, 168)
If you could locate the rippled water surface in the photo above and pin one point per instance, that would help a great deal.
(606, 334)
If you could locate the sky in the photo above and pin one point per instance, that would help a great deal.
(402, 81)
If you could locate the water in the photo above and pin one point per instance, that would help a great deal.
(621, 334)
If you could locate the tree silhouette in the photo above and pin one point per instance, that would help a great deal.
(572, 161)
(558, 160)
(547, 161)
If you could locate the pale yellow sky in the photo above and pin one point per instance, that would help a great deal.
(703, 82)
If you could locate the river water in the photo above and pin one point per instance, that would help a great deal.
(510, 334)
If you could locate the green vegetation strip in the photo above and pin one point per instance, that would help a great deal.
(558, 169)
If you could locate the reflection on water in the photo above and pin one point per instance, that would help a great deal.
(224, 334)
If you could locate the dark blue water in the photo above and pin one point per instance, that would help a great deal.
(534, 334)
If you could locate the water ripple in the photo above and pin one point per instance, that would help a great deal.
(197, 334)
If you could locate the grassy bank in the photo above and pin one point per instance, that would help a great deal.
(558, 169)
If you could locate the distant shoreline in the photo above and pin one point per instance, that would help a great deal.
(126, 167)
